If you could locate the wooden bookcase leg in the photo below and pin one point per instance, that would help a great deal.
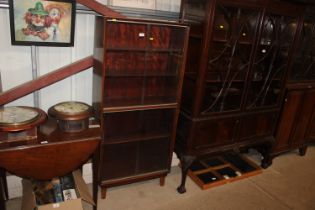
(302, 150)
(103, 192)
(3, 177)
(95, 165)
(162, 181)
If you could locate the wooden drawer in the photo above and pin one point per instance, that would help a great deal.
(257, 126)
(211, 133)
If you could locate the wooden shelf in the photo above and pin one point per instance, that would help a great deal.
(144, 137)
(139, 107)
(226, 41)
(146, 50)
(112, 73)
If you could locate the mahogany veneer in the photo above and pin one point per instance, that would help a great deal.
(239, 54)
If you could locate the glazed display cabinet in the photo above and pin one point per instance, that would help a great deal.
(137, 82)
(296, 127)
(238, 57)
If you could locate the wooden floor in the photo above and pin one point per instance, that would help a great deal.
(288, 184)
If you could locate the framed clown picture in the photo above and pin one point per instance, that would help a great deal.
(42, 22)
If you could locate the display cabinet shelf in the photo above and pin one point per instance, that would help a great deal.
(140, 137)
(228, 42)
(139, 107)
(146, 50)
(150, 74)
(121, 103)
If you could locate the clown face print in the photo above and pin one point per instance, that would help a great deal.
(37, 20)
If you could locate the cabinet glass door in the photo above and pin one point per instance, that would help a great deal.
(303, 67)
(271, 60)
(230, 50)
(142, 63)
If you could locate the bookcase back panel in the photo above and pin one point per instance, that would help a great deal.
(154, 155)
(119, 160)
(137, 125)
(128, 63)
(138, 157)
(139, 91)
(125, 35)
(124, 63)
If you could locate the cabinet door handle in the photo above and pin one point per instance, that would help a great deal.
(310, 86)
(286, 100)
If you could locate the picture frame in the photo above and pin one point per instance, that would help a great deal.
(42, 22)
(142, 4)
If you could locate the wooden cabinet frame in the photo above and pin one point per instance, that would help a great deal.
(137, 83)
(239, 54)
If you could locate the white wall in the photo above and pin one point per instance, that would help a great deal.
(16, 69)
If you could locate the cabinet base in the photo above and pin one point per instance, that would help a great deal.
(187, 160)
(301, 151)
(105, 185)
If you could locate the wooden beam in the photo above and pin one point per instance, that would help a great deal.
(100, 8)
(45, 80)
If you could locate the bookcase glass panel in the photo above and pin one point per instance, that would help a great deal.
(154, 155)
(128, 63)
(139, 157)
(139, 91)
(162, 63)
(146, 78)
(166, 37)
(160, 37)
(229, 58)
(303, 67)
(137, 125)
(130, 94)
(119, 160)
(132, 35)
(271, 61)
(124, 63)
(126, 35)
(160, 90)
(177, 39)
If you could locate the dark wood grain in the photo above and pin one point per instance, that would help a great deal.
(296, 121)
(296, 125)
(136, 90)
(235, 75)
